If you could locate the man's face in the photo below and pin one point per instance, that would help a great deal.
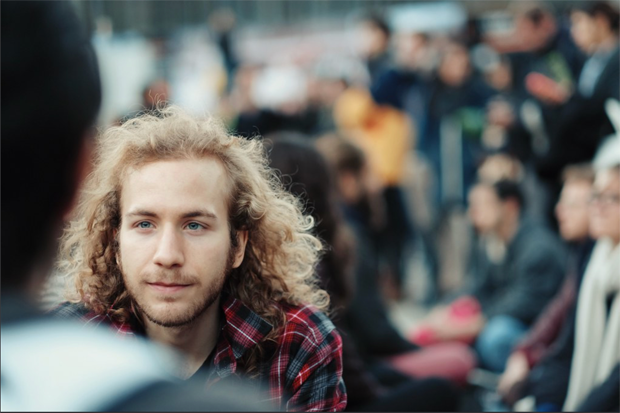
(485, 209)
(174, 239)
(373, 40)
(583, 30)
(455, 66)
(572, 210)
(605, 205)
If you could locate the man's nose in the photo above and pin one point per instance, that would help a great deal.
(169, 252)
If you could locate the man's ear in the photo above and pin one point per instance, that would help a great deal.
(242, 240)
(82, 168)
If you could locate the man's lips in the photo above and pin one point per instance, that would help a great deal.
(168, 288)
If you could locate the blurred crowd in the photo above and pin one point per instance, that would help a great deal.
(420, 126)
(515, 133)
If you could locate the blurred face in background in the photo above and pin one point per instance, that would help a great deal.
(484, 209)
(374, 41)
(572, 210)
(534, 36)
(355, 186)
(605, 205)
(500, 77)
(584, 31)
(411, 50)
(454, 68)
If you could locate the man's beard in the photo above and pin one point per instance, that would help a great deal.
(197, 308)
(194, 312)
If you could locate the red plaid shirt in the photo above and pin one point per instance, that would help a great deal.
(304, 370)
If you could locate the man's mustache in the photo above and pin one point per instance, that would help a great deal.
(169, 277)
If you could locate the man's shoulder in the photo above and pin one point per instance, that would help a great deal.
(80, 311)
(540, 240)
(307, 324)
(309, 360)
(68, 309)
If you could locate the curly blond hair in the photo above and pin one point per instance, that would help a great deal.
(281, 252)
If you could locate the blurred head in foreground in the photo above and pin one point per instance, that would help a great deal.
(51, 95)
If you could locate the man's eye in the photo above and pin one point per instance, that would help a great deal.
(144, 225)
(194, 226)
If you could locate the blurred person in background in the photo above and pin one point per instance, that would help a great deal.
(581, 370)
(594, 366)
(572, 212)
(271, 98)
(583, 122)
(375, 42)
(366, 320)
(309, 177)
(539, 51)
(385, 135)
(545, 48)
(519, 275)
(223, 24)
(456, 92)
(183, 236)
(329, 77)
(49, 364)
(155, 93)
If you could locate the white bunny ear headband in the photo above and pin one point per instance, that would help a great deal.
(608, 153)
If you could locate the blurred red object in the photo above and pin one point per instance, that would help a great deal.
(464, 309)
(461, 311)
(545, 88)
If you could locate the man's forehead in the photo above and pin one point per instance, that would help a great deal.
(192, 184)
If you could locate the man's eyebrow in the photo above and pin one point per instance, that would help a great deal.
(191, 214)
(142, 213)
(199, 213)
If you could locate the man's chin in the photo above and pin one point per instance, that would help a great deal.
(174, 314)
(171, 320)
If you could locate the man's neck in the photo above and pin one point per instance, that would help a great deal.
(195, 340)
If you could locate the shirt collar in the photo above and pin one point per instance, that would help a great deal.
(244, 328)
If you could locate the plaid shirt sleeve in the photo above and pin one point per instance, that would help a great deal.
(309, 363)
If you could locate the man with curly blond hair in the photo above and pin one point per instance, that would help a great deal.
(184, 235)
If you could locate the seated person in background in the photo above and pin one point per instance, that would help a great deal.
(506, 295)
(580, 372)
(51, 94)
(366, 318)
(309, 178)
(573, 219)
(184, 236)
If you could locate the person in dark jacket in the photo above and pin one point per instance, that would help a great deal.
(582, 122)
(376, 35)
(509, 290)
